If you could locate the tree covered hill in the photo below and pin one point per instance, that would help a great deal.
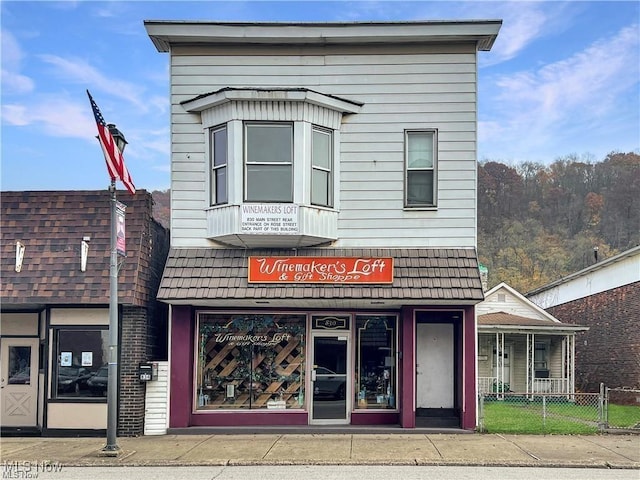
(538, 223)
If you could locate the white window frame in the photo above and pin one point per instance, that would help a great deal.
(434, 169)
(246, 163)
(328, 170)
(215, 168)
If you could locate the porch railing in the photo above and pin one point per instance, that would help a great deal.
(550, 385)
(540, 385)
(486, 384)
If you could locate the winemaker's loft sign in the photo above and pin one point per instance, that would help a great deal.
(320, 270)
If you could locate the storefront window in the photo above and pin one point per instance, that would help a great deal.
(376, 370)
(250, 362)
(80, 355)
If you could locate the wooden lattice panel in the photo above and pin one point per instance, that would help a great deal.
(258, 373)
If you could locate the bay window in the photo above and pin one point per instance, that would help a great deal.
(218, 148)
(321, 167)
(268, 162)
(420, 168)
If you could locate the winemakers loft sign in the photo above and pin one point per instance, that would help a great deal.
(320, 270)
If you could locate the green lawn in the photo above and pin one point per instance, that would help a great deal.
(526, 417)
(523, 416)
(624, 416)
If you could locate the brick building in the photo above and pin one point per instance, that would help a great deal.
(55, 310)
(606, 298)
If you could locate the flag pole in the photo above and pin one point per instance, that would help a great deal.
(112, 385)
(113, 143)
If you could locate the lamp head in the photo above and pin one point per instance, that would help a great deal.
(118, 137)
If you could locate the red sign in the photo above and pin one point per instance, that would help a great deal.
(320, 270)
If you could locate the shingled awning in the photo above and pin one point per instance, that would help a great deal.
(422, 276)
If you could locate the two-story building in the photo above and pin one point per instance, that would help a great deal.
(323, 266)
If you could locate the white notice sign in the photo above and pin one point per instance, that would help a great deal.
(270, 218)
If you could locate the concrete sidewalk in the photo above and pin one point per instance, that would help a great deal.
(604, 451)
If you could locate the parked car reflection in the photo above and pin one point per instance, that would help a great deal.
(98, 382)
(21, 377)
(328, 384)
(72, 379)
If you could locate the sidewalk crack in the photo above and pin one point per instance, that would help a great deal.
(606, 448)
(271, 447)
(193, 448)
(524, 450)
(434, 446)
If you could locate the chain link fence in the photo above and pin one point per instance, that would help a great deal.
(622, 409)
(611, 409)
(578, 413)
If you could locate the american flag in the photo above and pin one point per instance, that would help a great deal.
(112, 155)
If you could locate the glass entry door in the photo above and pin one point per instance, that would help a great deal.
(329, 380)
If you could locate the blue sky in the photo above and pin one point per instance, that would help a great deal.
(563, 78)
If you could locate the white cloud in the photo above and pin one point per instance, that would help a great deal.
(80, 72)
(522, 24)
(589, 80)
(13, 81)
(585, 91)
(56, 117)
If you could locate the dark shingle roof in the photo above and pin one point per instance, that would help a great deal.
(421, 276)
(51, 226)
(503, 319)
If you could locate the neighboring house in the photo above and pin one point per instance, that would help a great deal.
(55, 310)
(522, 348)
(323, 208)
(605, 297)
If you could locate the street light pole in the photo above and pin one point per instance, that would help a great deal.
(112, 385)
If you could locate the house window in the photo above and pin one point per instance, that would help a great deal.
(420, 172)
(81, 366)
(376, 370)
(321, 168)
(218, 149)
(541, 359)
(269, 162)
(248, 362)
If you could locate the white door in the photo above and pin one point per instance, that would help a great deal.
(18, 382)
(434, 365)
(503, 373)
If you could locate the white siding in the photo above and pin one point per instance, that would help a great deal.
(411, 87)
(156, 410)
(504, 301)
(615, 272)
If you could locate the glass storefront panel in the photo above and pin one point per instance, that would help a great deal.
(376, 366)
(250, 361)
(81, 367)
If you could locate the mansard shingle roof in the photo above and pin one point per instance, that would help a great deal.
(51, 226)
(218, 276)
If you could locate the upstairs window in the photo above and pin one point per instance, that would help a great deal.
(269, 162)
(218, 149)
(420, 174)
(321, 168)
